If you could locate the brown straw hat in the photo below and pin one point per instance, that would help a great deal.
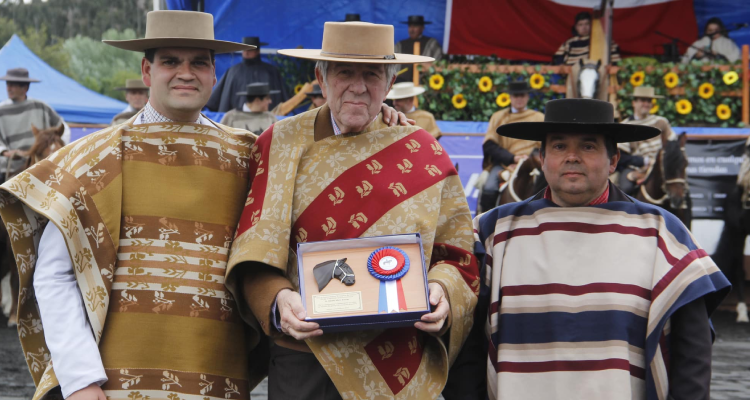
(133, 84)
(646, 92)
(18, 75)
(179, 29)
(357, 42)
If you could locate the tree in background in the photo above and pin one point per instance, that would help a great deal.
(48, 48)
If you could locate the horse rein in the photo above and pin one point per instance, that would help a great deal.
(344, 274)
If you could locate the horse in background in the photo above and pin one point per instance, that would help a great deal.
(666, 181)
(525, 181)
(46, 142)
(585, 81)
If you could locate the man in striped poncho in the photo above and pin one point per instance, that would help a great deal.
(593, 295)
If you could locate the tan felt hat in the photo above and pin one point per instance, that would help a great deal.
(646, 92)
(133, 84)
(357, 42)
(179, 29)
(404, 90)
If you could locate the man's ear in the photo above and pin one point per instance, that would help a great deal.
(613, 162)
(146, 72)
(323, 87)
(393, 80)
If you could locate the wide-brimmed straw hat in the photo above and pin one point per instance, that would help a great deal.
(179, 29)
(404, 90)
(646, 92)
(578, 116)
(18, 75)
(519, 87)
(357, 42)
(133, 84)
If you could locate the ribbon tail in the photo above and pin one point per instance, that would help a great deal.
(382, 299)
(401, 297)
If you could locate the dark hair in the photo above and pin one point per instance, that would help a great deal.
(609, 144)
(717, 21)
(251, 99)
(22, 84)
(150, 54)
(583, 15)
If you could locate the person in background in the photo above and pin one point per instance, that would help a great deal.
(251, 70)
(403, 95)
(428, 46)
(714, 45)
(136, 94)
(254, 115)
(316, 97)
(577, 47)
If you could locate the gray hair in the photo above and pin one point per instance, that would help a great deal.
(390, 70)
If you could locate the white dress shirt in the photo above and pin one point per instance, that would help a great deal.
(75, 354)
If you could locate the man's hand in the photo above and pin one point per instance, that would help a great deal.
(293, 316)
(434, 321)
(393, 117)
(14, 153)
(90, 392)
(519, 158)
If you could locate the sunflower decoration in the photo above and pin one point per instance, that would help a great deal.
(637, 78)
(459, 101)
(731, 77)
(654, 108)
(536, 81)
(723, 112)
(671, 80)
(503, 100)
(684, 106)
(298, 88)
(436, 82)
(485, 84)
(706, 90)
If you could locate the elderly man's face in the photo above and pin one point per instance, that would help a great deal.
(17, 90)
(180, 79)
(136, 98)
(415, 31)
(583, 27)
(404, 105)
(577, 167)
(355, 93)
(519, 101)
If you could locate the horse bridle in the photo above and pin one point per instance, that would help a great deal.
(344, 274)
(664, 184)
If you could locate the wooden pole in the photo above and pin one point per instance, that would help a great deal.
(746, 84)
(417, 52)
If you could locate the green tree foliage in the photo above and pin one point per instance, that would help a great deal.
(100, 67)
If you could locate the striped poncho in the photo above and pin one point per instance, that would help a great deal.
(581, 298)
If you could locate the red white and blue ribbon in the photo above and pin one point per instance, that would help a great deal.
(389, 264)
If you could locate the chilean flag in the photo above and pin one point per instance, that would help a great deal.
(535, 29)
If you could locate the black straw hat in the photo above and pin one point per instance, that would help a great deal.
(519, 87)
(416, 20)
(578, 116)
(253, 41)
(257, 89)
(352, 18)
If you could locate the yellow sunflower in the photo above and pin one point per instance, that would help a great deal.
(459, 101)
(298, 88)
(731, 77)
(637, 78)
(684, 106)
(706, 90)
(436, 82)
(536, 81)
(485, 84)
(655, 108)
(503, 100)
(671, 80)
(723, 111)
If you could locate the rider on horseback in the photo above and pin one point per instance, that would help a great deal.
(637, 157)
(502, 154)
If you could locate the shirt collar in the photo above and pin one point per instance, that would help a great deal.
(150, 115)
(336, 130)
(604, 198)
(514, 110)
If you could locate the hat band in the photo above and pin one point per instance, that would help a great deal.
(365, 56)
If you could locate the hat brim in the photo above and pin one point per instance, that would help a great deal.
(656, 96)
(415, 92)
(269, 92)
(218, 46)
(314, 54)
(520, 91)
(416, 23)
(538, 131)
(20, 80)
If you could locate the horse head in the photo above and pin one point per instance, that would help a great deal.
(588, 79)
(674, 171)
(344, 273)
(529, 176)
(47, 141)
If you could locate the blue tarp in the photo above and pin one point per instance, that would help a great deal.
(73, 101)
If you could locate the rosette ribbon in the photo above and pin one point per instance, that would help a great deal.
(388, 265)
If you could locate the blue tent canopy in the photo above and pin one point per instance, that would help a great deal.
(73, 101)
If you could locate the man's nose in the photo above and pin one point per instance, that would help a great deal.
(184, 72)
(572, 156)
(358, 85)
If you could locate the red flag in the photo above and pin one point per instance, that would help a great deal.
(535, 29)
